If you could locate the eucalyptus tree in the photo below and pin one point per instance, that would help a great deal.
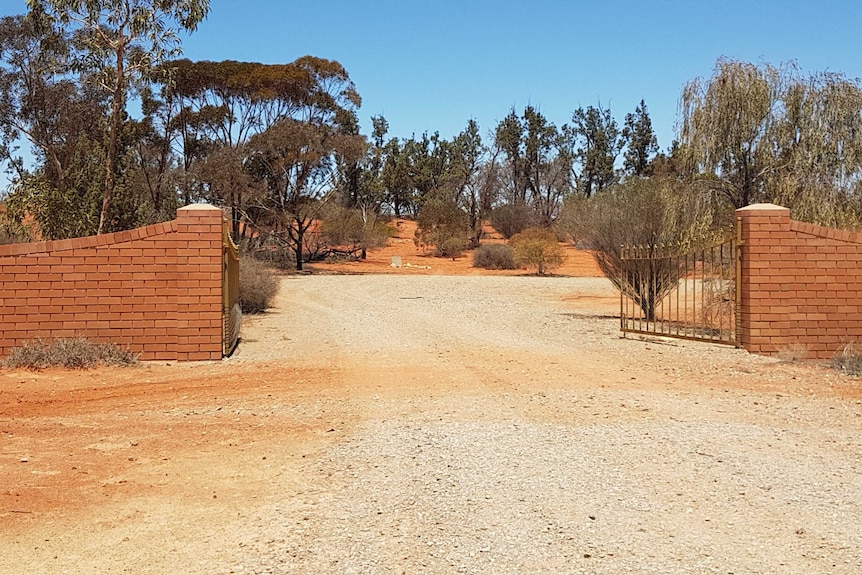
(431, 171)
(395, 176)
(548, 166)
(509, 141)
(372, 192)
(43, 106)
(34, 90)
(296, 159)
(122, 40)
(214, 109)
(297, 156)
(474, 178)
(355, 224)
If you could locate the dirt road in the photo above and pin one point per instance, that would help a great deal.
(397, 424)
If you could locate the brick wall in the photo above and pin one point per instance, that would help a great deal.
(800, 283)
(156, 290)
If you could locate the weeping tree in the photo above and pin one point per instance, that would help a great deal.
(771, 134)
(654, 214)
(727, 123)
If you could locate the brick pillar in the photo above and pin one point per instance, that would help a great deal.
(199, 283)
(766, 293)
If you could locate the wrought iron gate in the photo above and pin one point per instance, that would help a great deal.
(231, 310)
(683, 293)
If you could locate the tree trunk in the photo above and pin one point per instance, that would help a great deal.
(297, 247)
(113, 138)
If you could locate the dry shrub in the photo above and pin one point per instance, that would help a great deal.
(75, 352)
(793, 352)
(719, 297)
(494, 257)
(258, 285)
(849, 359)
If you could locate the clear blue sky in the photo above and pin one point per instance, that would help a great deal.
(432, 65)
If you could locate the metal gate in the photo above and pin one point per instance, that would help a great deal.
(231, 310)
(684, 293)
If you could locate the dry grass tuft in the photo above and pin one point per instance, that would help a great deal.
(849, 359)
(793, 352)
(75, 352)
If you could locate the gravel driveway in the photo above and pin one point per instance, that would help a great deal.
(501, 425)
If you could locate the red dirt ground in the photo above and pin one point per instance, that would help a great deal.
(156, 466)
(577, 263)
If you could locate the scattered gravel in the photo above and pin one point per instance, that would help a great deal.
(531, 438)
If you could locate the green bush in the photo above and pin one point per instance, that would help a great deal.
(510, 219)
(647, 212)
(76, 352)
(494, 257)
(538, 248)
(439, 220)
(258, 285)
(452, 248)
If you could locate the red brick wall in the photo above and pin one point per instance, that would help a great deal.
(156, 290)
(801, 284)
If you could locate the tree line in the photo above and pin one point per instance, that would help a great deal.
(279, 147)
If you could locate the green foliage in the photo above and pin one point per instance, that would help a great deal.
(537, 162)
(494, 257)
(538, 248)
(640, 140)
(770, 134)
(121, 41)
(11, 230)
(74, 210)
(648, 212)
(294, 159)
(472, 182)
(258, 285)
(510, 219)
(439, 220)
(418, 170)
(59, 215)
(597, 144)
(452, 248)
(76, 353)
(508, 138)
